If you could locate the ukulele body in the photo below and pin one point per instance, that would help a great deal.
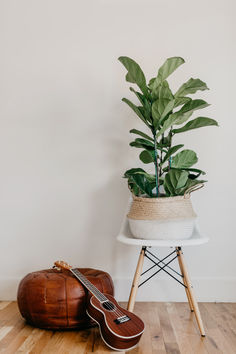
(119, 328)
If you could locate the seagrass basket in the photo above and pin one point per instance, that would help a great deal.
(162, 218)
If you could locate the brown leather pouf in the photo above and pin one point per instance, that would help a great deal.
(55, 299)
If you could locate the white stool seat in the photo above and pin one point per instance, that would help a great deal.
(126, 237)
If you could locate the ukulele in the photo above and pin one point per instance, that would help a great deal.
(119, 328)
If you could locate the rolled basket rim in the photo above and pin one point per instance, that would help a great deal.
(161, 199)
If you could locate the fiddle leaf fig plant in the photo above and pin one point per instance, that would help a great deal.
(165, 114)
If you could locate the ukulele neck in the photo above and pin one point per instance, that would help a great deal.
(89, 286)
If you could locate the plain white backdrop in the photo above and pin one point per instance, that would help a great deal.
(64, 134)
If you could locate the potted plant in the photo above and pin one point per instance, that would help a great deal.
(161, 206)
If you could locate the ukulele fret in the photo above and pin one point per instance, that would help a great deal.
(89, 285)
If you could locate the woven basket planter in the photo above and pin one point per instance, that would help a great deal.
(162, 218)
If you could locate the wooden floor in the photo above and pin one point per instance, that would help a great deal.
(170, 328)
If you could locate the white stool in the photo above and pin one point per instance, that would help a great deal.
(126, 237)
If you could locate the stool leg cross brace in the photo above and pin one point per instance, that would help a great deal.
(177, 253)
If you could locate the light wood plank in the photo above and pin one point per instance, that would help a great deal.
(221, 317)
(42, 342)
(169, 337)
(8, 312)
(4, 331)
(4, 304)
(191, 329)
(170, 329)
(30, 341)
(157, 340)
(185, 345)
(19, 339)
(17, 326)
(145, 340)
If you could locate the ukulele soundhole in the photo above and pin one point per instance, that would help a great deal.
(108, 305)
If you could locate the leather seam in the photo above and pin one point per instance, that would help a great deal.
(67, 318)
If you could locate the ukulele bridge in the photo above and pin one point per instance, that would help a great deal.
(121, 319)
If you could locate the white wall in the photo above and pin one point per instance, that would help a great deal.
(64, 134)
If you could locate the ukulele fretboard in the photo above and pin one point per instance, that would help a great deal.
(89, 285)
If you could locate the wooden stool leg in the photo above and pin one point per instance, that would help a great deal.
(134, 288)
(184, 281)
(193, 301)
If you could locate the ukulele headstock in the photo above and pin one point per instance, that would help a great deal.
(62, 265)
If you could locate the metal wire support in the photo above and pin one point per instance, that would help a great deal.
(161, 265)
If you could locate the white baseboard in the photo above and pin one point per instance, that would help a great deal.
(161, 289)
(167, 289)
(8, 288)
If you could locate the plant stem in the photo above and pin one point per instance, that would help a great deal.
(156, 165)
(161, 156)
(170, 159)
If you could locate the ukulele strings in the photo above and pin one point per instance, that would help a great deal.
(98, 294)
(110, 307)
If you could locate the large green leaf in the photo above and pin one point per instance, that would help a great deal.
(147, 145)
(142, 143)
(135, 73)
(145, 111)
(162, 91)
(168, 108)
(146, 106)
(173, 119)
(200, 172)
(186, 111)
(151, 178)
(194, 170)
(174, 180)
(165, 142)
(169, 66)
(147, 156)
(133, 187)
(190, 183)
(179, 101)
(167, 124)
(178, 178)
(168, 187)
(196, 123)
(160, 108)
(191, 86)
(171, 151)
(181, 118)
(136, 110)
(151, 82)
(138, 95)
(132, 171)
(141, 181)
(138, 132)
(182, 115)
(184, 159)
(193, 105)
(190, 169)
